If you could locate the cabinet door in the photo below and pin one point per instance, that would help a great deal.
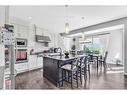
(21, 31)
(32, 61)
(40, 61)
(21, 67)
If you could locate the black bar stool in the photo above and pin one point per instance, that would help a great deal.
(71, 69)
(89, 60)
(83, 68)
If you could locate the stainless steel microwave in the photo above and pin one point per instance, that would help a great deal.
(21, 42)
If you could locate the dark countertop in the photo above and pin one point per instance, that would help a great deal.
(41, 54)
(62, 58)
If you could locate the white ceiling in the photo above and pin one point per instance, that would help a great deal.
(53, 18)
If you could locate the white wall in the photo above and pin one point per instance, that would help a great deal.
(68, 42)
(2, 15)
(115, 45)
(57, 40)
(104, 41)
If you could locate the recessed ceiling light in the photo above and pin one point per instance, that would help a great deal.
(82, 17)
(29, 17)
(66, 5)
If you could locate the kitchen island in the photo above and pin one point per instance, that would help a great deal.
(52, 64)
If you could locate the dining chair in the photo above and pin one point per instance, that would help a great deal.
(102, 60)
(91, 58)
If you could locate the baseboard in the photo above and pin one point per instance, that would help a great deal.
(35, 68)
(32, 69)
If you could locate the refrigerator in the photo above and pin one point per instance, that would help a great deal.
(2, 66)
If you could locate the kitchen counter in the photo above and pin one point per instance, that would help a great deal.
(42, 54)
(52, 64)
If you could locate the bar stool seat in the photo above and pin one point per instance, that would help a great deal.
(69, 67)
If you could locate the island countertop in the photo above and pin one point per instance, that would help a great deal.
(63, 58)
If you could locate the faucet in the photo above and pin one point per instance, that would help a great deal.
(60, 51)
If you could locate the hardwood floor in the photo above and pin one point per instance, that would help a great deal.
(33, 80)
(98, 80)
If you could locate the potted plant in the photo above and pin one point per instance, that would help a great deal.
(66, 52)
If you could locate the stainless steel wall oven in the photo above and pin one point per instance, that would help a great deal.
(21, 51)
(21, 55)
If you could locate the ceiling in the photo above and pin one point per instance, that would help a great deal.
(98, 31)
(53, 18)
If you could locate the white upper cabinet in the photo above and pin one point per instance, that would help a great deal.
(21, 31)
(21, 27)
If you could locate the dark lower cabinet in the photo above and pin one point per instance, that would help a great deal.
(51, 70)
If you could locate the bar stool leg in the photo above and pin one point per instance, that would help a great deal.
(85, 73)
(77, 78)
(104, 64)
(100, 63)
(81, 75)
(68, 77)
(65, 75)
(72, 80)
(62, 77)
(89, 70)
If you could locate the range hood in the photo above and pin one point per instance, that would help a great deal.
(42, 39)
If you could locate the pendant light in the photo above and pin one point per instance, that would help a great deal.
(66, 27)
(83, 36)
(66, 24)
(84, 40)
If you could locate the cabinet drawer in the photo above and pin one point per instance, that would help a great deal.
(21, 67)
